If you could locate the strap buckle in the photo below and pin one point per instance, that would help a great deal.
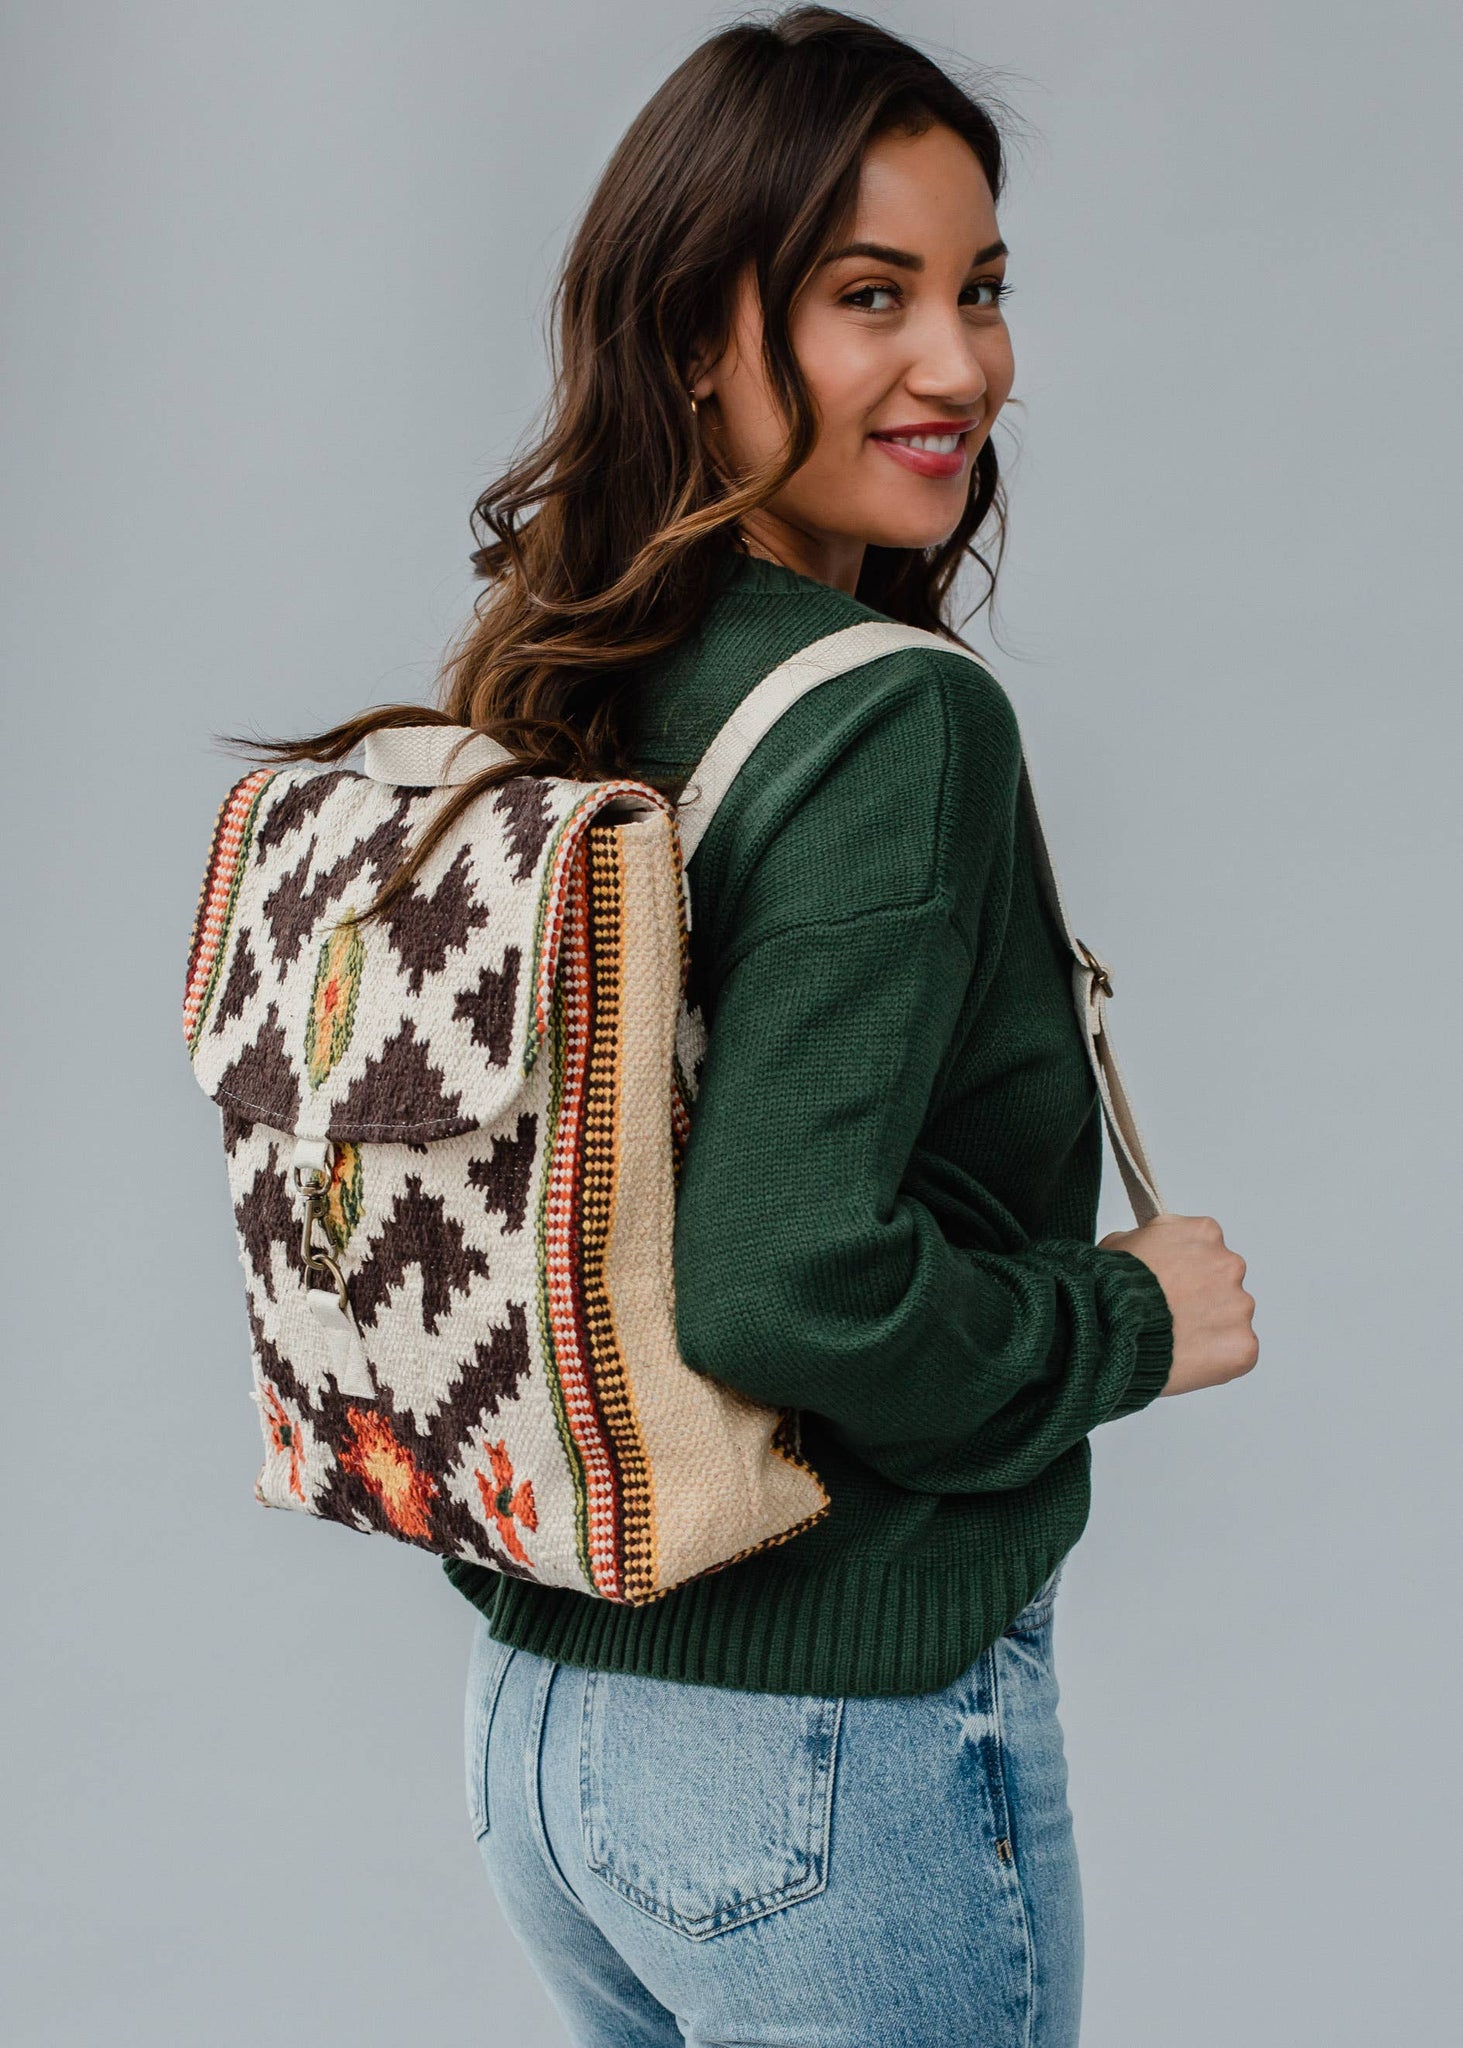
(1102, 974)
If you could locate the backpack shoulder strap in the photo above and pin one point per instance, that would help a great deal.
(834, 655)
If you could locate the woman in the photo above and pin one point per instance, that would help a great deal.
(818, 1796)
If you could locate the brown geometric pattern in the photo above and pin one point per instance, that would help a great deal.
(500, 1223)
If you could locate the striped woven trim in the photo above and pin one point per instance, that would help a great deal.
(683, 930)
(549, 927)
(680, 1092)
(233, 835)
(593, 1402)
(680, 1119)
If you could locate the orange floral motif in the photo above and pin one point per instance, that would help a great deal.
(391, 1472)
(506, 1503)
(284, 1437)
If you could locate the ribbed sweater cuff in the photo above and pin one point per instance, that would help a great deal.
(1141, 1306)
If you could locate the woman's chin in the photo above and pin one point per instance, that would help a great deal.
(913, 534)
(927, 522)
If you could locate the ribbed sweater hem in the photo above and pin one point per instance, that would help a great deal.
(884, 1626)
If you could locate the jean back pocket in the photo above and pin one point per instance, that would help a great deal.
(705, 1806)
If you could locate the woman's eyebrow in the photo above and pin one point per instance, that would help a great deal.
(903, 259)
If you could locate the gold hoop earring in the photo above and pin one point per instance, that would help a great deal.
(692, 396)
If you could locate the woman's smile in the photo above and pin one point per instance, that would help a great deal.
(934, 448)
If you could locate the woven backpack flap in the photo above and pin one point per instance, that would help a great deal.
(452, 1142)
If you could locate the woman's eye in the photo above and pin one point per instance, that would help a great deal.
(882, 298)
(866, 293)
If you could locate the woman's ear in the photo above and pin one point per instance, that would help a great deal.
(709, 363)
(699, 379)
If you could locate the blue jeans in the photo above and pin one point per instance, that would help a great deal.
(692, 1863)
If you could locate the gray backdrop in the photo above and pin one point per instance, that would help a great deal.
(273, 283)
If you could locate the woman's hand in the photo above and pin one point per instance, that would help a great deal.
(1200, 1277)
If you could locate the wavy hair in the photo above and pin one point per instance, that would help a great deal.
(602, 544)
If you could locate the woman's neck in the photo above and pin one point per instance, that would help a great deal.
(825, 558)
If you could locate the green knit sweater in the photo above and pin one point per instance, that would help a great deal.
(887, 1207)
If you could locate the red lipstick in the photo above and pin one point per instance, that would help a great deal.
(926, 461)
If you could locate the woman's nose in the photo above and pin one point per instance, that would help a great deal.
(948, 369)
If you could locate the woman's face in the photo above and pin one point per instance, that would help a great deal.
(902, 340)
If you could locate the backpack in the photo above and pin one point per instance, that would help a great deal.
(453, 1139)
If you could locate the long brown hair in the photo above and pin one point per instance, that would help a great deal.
(603, 543)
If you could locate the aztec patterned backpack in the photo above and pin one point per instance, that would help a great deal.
(453, 1139)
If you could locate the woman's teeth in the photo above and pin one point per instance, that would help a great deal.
(936, 444)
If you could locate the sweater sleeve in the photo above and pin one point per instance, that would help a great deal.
(807, 1274)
